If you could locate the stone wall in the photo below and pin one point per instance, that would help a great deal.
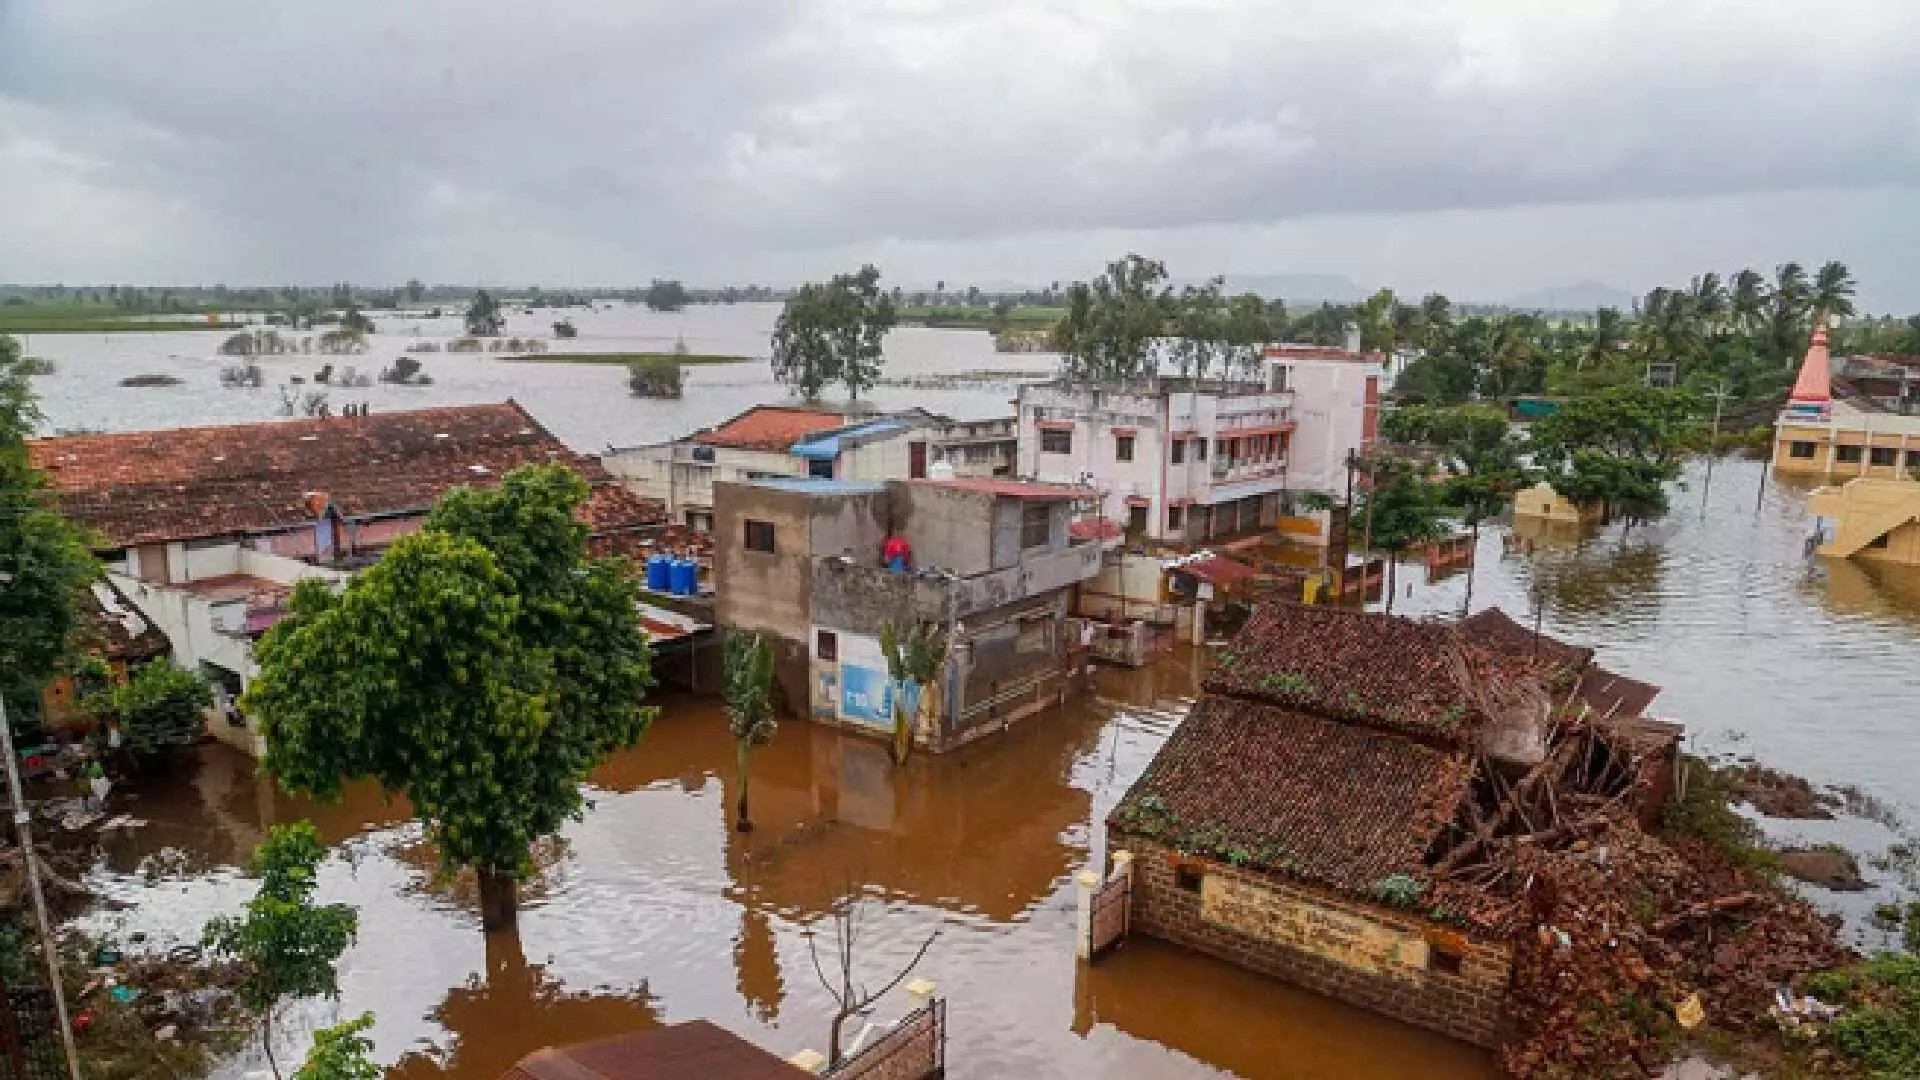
(1467, 1005)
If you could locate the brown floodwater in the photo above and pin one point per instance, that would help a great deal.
(651, 909)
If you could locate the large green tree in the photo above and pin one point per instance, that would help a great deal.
(480, 668)
(666, 295)
(287, 946)
(1114, 325)
(45, 564)
(832, 332)
(1618, 448)
(484, 316)
(161, 707)
(1399, 510)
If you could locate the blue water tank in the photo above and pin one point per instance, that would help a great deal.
(686, 577)
(657, 572)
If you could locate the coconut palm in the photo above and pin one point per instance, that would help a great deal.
(1710, 301)
(914, 659)
(1833, 291)
(1608, 342)
(1747, 300)
(747, 686)
(1791, 293)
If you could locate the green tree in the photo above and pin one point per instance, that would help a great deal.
(747, 686)
(481, 668)
(288, 946)
(1113, 325)
(45, 564)
(833, 332)
(160, 707)
(1376, 318)
(1199, 330)
(666, 295)
(914, 662)
(1247, 331)
(484, 317)
(1617, 447)
(1747, 300)
(1833, 289)
(341, 1052)
(415, 290)
(356, 321)
(1401, 510)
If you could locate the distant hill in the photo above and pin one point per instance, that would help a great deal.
(1579, 296)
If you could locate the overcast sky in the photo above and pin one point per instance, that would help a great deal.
(1479, 147)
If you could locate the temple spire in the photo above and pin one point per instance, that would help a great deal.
(1812, 397)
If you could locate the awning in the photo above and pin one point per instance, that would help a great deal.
(1054, 425)
(1216, 569)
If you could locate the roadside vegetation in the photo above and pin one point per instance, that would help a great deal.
(683, 359)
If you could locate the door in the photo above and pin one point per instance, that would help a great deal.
(917, 461)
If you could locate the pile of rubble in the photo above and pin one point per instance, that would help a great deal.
(1627, 933)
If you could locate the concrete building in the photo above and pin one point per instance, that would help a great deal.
(1301, 819)
(1542, 503)
(1819, 434)
(1873, 519)
(1179, 461)
(993, 562)
(785, 440)
(206, 530)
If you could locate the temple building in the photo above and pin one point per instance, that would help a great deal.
(1824, 431)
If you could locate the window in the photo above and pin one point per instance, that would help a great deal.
(1179, 451)
(1913, 459)
(826, 645)
(1136, 519)
(1849, 455)
(1800, 450)
(1219, 447)
(1123, 448)
(820, 468)
(1444, 960)
(1036, 525)
(1035, 635)
(1883, 455)
(1056, 442)
(1176, 517)
(1199, 449)
(759, 536)
(1187, 877)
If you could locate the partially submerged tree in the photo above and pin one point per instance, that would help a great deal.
(1400, 511)
(666, 295)
(748, 688)
(914, 662)
(44, 556)
(480, 668)
(160, 708)
(851, 996)
(484, 317)
(1618, 448)
(833, 332)
(288, 946)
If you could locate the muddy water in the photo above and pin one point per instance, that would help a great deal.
(653, 910)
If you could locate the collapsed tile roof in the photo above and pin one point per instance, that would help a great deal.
(114, 627)
(1495, 631)
(189, 483)
(1276, 789)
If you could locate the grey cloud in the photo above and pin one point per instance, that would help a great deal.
(596, 141)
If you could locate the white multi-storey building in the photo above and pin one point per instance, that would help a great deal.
(1180, 461)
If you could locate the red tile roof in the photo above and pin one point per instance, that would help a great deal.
(769, 427)
(186, 483)
(694, 1050)
(1366, 668)
(1011, 489)
(1335, 804)
(1096, 529)
(1217, 569)
(1495, 631)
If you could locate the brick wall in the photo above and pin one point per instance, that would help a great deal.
(1469, 1005)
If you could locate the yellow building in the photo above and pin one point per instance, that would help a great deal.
(1872, 519)
(1541, 501)
(1818, 436)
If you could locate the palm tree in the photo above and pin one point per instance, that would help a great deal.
(1791, 293)
(1833, 291)
(1436, 318)
(747, 685)
(1710, 301)
(1747, 299)
(1608, 342)
(913, 661)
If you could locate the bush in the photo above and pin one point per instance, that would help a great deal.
(242, 375)
(1880, 1025)
(406, 372)
(162, 706)
(1702, 808)
(653, 378)
(464, 345)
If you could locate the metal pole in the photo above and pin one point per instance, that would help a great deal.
(1713, 445)
(23, 822)
(1366, 539)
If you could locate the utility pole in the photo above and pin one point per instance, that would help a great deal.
(23, 822)
(1366, 538)
(1713, 445)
